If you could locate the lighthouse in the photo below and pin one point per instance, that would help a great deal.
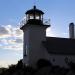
(36, 46)
(34, 34)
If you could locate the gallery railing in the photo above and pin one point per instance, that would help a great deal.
(45, 22)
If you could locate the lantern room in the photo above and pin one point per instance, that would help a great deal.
(34, 16)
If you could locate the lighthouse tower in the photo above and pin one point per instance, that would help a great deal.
(34, 33)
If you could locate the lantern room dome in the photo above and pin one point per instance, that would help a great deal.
(31, 11)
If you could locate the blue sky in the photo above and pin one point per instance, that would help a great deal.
(60, 13)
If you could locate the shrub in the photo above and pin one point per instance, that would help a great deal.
(43, 63)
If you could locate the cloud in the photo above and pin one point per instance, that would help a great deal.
(18, 41)
(10, 31)
(18, 32)
(11, 38)
(49, 32)
(3, 30)
(3, 42)
(15, 47)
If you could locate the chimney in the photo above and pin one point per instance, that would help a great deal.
(71, 30)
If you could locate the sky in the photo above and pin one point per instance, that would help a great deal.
(12, 12)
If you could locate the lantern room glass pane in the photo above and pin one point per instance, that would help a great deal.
(31, 17)
(37, 17)
(34, 16)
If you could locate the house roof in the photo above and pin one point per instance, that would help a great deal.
(60, 45)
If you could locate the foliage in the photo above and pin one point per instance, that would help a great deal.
(72, 66)
(44, 67)
(43, 63)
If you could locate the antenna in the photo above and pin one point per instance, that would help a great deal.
(35, 1)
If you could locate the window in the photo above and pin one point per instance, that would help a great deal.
(37, 17)
(25, 51)
(31, 17)
(53, 60)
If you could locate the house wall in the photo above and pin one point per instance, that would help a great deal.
(61, 60)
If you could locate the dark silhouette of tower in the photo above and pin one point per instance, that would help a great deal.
(71, 30)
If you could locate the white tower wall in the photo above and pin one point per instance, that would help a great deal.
(33, 49)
